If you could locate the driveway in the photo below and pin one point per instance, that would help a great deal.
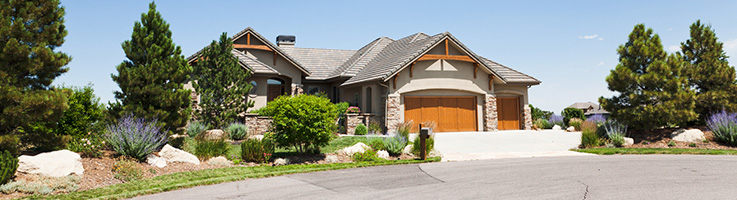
(459, 146)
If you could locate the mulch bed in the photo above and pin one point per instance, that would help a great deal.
(659, 138)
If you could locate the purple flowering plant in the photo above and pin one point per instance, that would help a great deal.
(724, 127)
(556, 120)
(135, 137)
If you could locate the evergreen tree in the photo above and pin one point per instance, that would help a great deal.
(29, 106)
(709, 72)
(221, 84)
(652, 92)
(152, 79)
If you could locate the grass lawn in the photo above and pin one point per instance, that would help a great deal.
(612, 151)
(211, 176)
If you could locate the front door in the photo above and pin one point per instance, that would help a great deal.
(274, 91)
(509, 113)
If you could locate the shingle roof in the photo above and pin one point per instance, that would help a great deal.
(361, 58)
(508, 74)
(321, 62)
(253, 64)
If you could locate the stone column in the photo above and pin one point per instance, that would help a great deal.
(392, 113)
(297, 89)
(490, 113)
(352, 120)
(528, 117)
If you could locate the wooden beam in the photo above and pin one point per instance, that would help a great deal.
(446, 57)
(491, 80)
(246, 46)
(248, 38)
(446, 47)
(475, 69)
(411, 68)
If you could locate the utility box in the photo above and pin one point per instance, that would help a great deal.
(425, 132)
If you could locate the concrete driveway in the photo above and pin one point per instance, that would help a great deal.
(459, 146)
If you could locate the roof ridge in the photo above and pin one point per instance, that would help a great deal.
(320, 48)
(375, 43)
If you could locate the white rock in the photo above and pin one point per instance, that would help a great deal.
(220, 160)
(54, 164)
(382, 154)
(571, 129)
(557, 128)
(214, 134)
(628, 141)
(407, 149)
(434, 153)
(172, 154)
(281, 161)
(331, 159)
(690, 135)
(154, 160)
(356, 148)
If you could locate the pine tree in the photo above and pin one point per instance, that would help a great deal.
(709, 72)
(221, 84)
(29, 106)
(152, 79)
(652, 92)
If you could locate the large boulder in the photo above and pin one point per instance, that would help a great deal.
(281, 161)
(214, 134)
(156, 161)
(690, 135)
(172, 154)
(407, 149)
(219, 161)
(331, 159)
(382, 154)
(54, 164)
(571, 129)
(359, 147)
(557, 128)
(628, 141)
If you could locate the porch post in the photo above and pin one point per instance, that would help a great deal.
(392, 113)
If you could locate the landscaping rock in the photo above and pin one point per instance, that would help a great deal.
(219, 161)
(356, 148)
(382, 154)
(214, 134)
(54, 164)
(331, 159)
(571, 129)
(172, 154)
(281, 161)
(434, 153)
(557, 128)
(407, 150)
(690, 135)
(628, 141)
(154, 160)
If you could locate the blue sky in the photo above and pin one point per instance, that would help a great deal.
(569, 45)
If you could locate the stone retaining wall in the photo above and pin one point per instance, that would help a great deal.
(352, 120)
(257, 125)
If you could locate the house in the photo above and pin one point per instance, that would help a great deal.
(419, 77)
(590, 109)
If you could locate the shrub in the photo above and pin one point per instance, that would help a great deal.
(361, 130)
(196, 127)
(8, 165)
(366, 156)
(671, 143)
(135, 137)
(376, 143)
(9, 143)
(90, 145)
(692, 144)
(403, 128)
(589, 138)
(395, 145)
(570, 113)
(724, 127)
(556, 120)
(255, 150)
(43, 185)
(543, 124)
(615, 131)
(597, 118)
(237, 131)
(576, 123)
(84, 113)
(353, 109)
(127, 169)
(207, 148)
(374, 128)
(304, 122)
(538, 113)
(429, 144)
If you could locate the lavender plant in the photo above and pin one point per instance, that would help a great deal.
(615, 131)
(135, 137)
(724, 127)
(556, 120)
(597, 118)
(395, 145)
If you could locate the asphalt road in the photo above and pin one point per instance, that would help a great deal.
(575, 177)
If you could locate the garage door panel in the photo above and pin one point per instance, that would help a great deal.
(448, 115)
(467, 114)
(508, 112)
(412, 111)
(430, 110)
(451, 113)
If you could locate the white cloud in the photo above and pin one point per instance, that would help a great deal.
(673, 48)
(730, 47)
(588, 37)
(600, 38)
(601, 63)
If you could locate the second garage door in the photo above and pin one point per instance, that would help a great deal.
(451, 113)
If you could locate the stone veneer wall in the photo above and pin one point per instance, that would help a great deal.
(528, 117)
(353, 120)
(392, 113)
(257, 125)
(490, 114)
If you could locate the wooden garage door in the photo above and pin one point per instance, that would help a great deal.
(451, 113)
(508, 111)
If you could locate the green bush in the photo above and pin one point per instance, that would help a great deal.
(429, 144)
(538, 113)
(304, 122)
(127, 169)
(8, 165)
(570, 113)
(207, 148)
(361, 130)
(576, 123)
(376, 143)
(10, 143)
(237, 131)
(589, 138)
(543, 124)
(196, 127)
(366, 156)
(671, 143)
(395, 145)
(90, 145)
(255, 150)
(374, 128)
(84, 115)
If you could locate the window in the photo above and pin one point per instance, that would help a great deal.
(254, 88)
(368, 100)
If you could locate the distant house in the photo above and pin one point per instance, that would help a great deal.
(590, 109)
(416, 78)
